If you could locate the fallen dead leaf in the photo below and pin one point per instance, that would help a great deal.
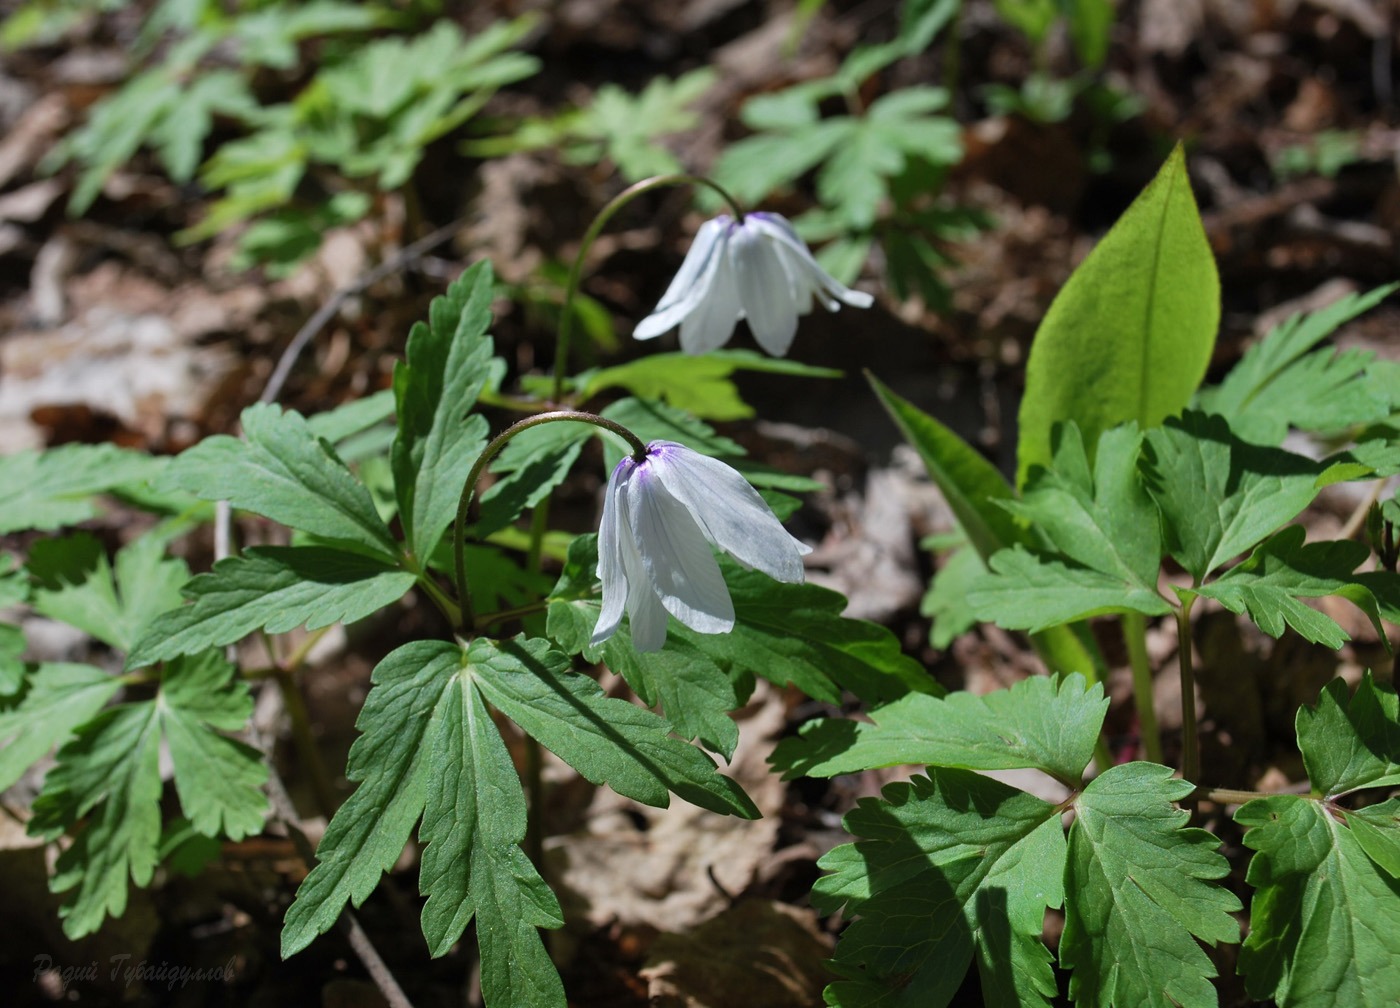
(757, 952)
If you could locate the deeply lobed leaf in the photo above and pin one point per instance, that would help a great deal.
(273, 588)
(1140, 890)
(1046, 722)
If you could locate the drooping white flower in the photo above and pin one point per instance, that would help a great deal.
(757, 269)
(660, 518)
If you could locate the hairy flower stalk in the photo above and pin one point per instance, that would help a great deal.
(661, 515)
(756, 268)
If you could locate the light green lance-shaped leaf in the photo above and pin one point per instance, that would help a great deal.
(946, 864)
(1046, 722)
(1220, 496)
(272, 588)
(108, 778)
(77, 585)
(1283, 570)
(49, 489)
(447, 364)
(1351, 742)
(784, 633)
(700, 385)
(14, 589)
(1324, 923)
(972, 486)
(1025, 592)
(1277, 384)
(1138, 888)
(1130, 335)
(974, 490)
(428, 748)
(283, 471)
(1099, 517)
(608, 741)
(59, 698)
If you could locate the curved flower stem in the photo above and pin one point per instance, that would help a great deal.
(467, 617)
(566, 318)
(1190, 742)
(1135, 637)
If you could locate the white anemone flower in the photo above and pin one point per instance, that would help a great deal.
(757, 269)
(660, 517)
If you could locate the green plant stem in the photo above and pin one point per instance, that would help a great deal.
(305, 741)
(1230, 796)
(1190, 741)
(501, 615)
(566, 316)
(466, 617)
(1135, 636)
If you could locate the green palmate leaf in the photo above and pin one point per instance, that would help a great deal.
(59, 698)
(283, 471)
(947, 864)
(1283, 570)
(352, 418)
(447, 364)
(108, 778)
(473, 822)
(75, 583)
(1351, 742)
(1377, 829)
(607, 740)
(974, 490)
(1220, 496)
(784, 633)
(700, 385)
(1130, 335)
(1099, 517)
(49, 489)
(1026, 592)
(429, 748)
(1046, 722)
(272, 588)
(1324, 923)
(1139, 892)
(1278, 384)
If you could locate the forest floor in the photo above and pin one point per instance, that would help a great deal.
(110, 331)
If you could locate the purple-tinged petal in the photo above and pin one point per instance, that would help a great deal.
(711, 323)
(729, 512)
(690, 286)
(765, 290)
(676, 556)
(612, 532)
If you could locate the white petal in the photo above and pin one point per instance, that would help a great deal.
(646, 619)
(688, 287)
(709, 326)
(765, 291)
(611, 572)
(678, 561)
(797, 257)
(729, 512)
